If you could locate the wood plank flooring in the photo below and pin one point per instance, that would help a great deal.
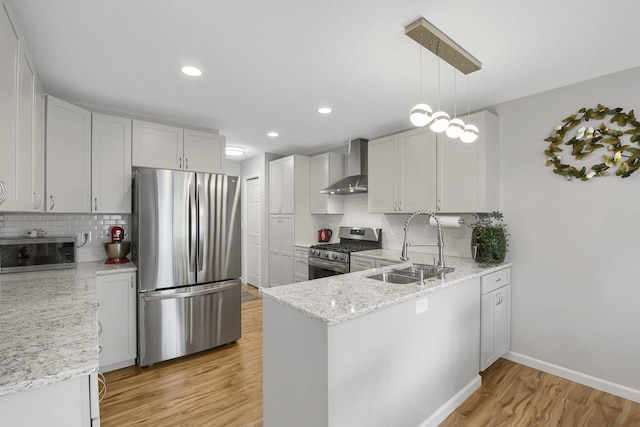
(223, 387)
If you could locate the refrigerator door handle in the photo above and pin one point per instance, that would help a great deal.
(193, 227)
(151, 296)
(201, 227)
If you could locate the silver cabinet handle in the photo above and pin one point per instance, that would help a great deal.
(99, 349)
(131, 280)
(99, 328)
(52, 203)
(395, 206)
(186, 163)
(400, 205)
(3, 191)
(37, 200)
(95, 204)
(180, 162)
(499, 279)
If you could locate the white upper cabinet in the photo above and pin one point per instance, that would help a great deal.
(110, 164)
(468, 176)
(401, 175)
(418, 169)
(325, 169)
(168, 147)
(9, 60)
(157, 146)
(37, 172)
(281, 185)
(204, 151)
(68, 157)
(19, 112)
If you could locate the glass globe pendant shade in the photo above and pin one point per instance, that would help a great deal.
(420, 115)
(440, 122)
(455, 129)
(470, 133)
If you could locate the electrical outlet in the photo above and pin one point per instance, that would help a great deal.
(422, 305)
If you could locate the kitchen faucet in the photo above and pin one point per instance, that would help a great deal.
(405, 245)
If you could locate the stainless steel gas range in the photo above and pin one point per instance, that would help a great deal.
(330, 259)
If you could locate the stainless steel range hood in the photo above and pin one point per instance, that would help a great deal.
(357, 162)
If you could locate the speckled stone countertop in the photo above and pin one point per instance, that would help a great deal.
(49, 325)
(336, 299)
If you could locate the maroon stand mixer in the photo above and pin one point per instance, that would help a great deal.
(118, 249)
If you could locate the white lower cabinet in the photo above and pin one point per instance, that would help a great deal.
(495, 311)
(301, 263)
(69, 403)
(117, 320)
(281, 239)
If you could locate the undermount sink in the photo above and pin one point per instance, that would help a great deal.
(394, 278)
(411, 274)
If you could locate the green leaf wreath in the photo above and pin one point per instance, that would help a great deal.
(624, 157)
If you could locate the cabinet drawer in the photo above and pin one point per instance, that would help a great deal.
(495, 280)
(385, 263)
(300, 252)
(359, 264)
(301, 267)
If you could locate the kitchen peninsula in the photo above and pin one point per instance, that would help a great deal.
(49, 347)
(351, 350)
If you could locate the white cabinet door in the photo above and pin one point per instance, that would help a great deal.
(9, 160)
(26, 93)
(203, 151)
(281, 238)
(325, 169)
(157, 146)
(68, 157)
(288, 182)
(111, 164)
(383, 176)
(417, 171)
(275, 186)
(37, 169)
(117, 317)
(281, 185)
(495, 322)
(468, 173)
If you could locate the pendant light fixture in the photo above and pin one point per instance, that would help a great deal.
(420, 115)
(456, 126)
(445, 49)
(470, 133)
(440, 118)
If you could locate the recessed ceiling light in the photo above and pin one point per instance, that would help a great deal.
(234, 151)
(324, 110)
(191, 71)
(273, 134)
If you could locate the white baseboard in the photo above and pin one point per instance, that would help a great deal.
(575, 376)
(450, 405)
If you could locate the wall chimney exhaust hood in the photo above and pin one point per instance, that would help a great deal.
(357, 168)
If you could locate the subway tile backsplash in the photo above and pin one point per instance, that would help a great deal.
(96, 227)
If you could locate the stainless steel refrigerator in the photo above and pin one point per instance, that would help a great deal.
(186, 244)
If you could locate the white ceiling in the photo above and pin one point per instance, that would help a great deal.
(269, 64)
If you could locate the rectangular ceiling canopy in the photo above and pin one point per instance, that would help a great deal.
(423, 32)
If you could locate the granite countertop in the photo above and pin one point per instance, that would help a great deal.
(336, 299)
(49, 325)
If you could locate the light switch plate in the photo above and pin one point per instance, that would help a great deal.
(422, 305)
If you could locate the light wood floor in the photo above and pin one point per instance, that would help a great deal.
(223, 387)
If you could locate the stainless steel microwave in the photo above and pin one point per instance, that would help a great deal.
(40, 253)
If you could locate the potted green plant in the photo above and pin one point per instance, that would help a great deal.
(489, 238)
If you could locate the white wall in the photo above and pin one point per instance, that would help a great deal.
(232, 167)
(574, 245)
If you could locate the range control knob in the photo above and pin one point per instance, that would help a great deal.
(341, 257)
(334, 256)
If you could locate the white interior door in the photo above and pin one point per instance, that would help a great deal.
(253, 231)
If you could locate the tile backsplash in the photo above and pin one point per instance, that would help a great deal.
(96, 228)
(457, 241)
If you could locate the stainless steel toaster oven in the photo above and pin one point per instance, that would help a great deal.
(40, 253)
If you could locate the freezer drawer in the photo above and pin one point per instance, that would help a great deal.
(177, 322)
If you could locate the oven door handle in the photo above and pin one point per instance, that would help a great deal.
(340, 268)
